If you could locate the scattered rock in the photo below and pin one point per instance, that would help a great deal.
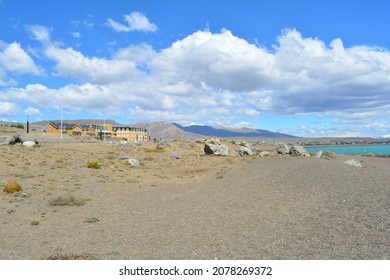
(283, 149)
(123, 157)
(163, 145)
(175, 155)
(353, 162)
(133, 162)
(244, 144)
(7, 140)
(17, 139)
(318, 154)
(214, 141)
(244, 151)
(219, 150)
(264, 153)
(29, 144)
(299, 151)
(268, 153)
(124, 142)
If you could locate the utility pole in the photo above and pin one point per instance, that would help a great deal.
(61, 123)
(104, 130)
(28, 124)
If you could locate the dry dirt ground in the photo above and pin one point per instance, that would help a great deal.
(196, 207)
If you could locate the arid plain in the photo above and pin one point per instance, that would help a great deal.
(195, 207)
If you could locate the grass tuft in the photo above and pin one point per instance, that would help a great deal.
(156, 150)
(93, 164)
(67, 201)
(11, 187)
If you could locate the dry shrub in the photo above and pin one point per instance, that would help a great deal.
(68, 200)
(11, 187)
(156, 150)
(93, 164)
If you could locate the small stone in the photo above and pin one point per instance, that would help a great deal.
(133, 162)
(29, 144)
(353, 162)
(123, 157)
(175, 155)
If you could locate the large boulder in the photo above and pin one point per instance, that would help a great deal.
(319, 154)
(219, 150)
(214, 141)
(283, 149)
(244, 151)
(29, 144)
(7, 140)
(299, 151)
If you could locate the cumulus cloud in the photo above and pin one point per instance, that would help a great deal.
(8, 109)
(15, 61)
(73, 64)
(135, 21)
(30, 111)
(219, 78)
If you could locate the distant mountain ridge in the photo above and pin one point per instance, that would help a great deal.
(164, 130)
(206, 130)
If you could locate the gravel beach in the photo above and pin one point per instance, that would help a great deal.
(195, 207)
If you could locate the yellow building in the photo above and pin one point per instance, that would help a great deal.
(67, 128)
(132, 134)
(102, 131)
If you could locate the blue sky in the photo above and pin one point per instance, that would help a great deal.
(308, 68)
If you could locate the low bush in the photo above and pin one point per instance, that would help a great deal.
(67, 201)
(11, 187)
(156, 150)
(93, 164)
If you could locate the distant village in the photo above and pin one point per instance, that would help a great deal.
(102, 131)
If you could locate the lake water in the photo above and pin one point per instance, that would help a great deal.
(353, 149)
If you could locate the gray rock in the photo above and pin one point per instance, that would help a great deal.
(244, 151)
(29, 144)
(18, 139)
(175, 155)
(7, 140)
(133, 162)
(214, 141)
(325, 157)
(124, 142)
(123, 157)
(318, 154)
(353, 162)
(219, 150)
(283, 149)
(299, 151)
(163, 145)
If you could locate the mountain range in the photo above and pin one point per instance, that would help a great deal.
(226, 132)
(164, 130)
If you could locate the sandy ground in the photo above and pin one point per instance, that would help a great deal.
(196, 207)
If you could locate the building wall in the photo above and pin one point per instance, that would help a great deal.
(52, 129)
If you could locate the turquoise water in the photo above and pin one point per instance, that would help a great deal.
(353, 149)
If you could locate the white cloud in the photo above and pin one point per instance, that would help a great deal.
(74, 65)
(221, 61)
(76, 34)
(30, 111)
(15, 61)
(135, 21)
(219, 78)
(8, 109)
